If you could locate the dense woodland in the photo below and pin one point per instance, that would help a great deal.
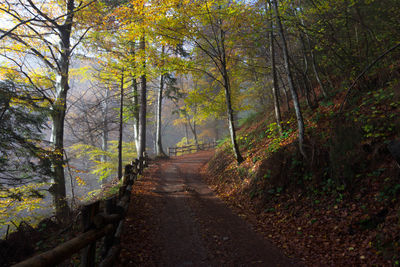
(303, 97)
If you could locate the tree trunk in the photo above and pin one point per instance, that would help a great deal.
(142, 107)
(307, 86)
(296, 103)
(58, 113)
(232, 131)
(302, 80)
(229, 109)
(105, 130)
(57, 139)
(121, 113)
(192, 129)
(104, 134)
(307, 82)
(314, 66)
(196, 140)
(273, 69)
(285, 92)
(159, 149)
(186, 134)
(135, 103)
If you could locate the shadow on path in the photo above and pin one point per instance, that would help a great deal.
(185, 224)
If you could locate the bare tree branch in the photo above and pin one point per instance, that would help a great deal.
(5, 33)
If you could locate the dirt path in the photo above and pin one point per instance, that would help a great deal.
(176, 220)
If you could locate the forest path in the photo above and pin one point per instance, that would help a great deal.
(176, 220)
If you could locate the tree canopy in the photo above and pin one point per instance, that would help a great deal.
(191, 69)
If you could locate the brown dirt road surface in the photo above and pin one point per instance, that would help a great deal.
(175, 220)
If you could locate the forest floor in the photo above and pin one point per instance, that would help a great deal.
(176, 220)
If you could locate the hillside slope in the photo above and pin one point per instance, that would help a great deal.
(339, 205)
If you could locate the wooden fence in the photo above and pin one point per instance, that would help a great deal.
(173, 151)
(97, 224)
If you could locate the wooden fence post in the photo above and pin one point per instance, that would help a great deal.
(88, 255)
(146, 160)
(110, 205)
(136, 166)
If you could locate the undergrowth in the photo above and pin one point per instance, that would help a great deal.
(349, 176)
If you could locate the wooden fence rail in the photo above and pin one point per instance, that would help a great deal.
(96, 225)
(173, 151)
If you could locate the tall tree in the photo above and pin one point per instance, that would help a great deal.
(295, 98)
(48, 21)
(135, 99)
(273, 69)
(159, 150)
(227, 87)
(121, 125)
(206, 25)
(142, 104)
(137, 23)
(105, 126)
